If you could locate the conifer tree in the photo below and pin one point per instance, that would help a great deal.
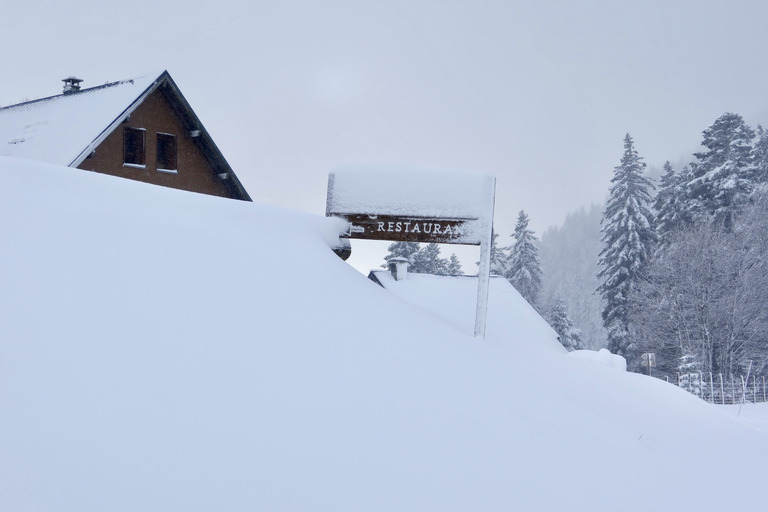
(428, 261)
(628, 239)
(668, 205)
(454, 266)
(524, 268)
(567, 333)
(721, 177)
(760, 158)
(499, 258)
(405, 250)
(689, 374)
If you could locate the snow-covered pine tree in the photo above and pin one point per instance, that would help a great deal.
(524, 268)
(760, 159)
(689, 374)
(405, 250)
(721, 177)
(567, 333)
(499, 258)
(454, 266)
(669, 214)
(428, 261)
(628, 240)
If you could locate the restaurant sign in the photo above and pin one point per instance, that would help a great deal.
(419, 205)
(410, 229)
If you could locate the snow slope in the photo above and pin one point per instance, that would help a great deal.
(453, 299)
(161, 350)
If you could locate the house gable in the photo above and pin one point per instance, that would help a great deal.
(156, 119)
(86, 129)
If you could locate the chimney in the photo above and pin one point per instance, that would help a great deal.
(398, 267)
(71, 84)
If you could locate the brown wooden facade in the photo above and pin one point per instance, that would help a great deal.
(164, 115)
(154, 116)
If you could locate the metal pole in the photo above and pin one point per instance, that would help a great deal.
(483, 282)
(484, 271)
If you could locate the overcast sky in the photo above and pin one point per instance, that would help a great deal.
(539, 94)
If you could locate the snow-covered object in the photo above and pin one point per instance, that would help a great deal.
(602, 356)
(417, 192)
(452, 300)
(60, 129)
(161, 350)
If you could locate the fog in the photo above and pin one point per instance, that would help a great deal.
(538, 94)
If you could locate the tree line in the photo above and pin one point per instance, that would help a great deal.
(683, 270)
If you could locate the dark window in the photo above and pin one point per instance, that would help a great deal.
(133, 146)
(166, 151)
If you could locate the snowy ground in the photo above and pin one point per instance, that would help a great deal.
(161, 350)
(754, 415)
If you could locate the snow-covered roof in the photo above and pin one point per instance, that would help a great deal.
(453, 300)
(65, 129)
(61, 129)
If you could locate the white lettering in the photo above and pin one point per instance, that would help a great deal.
(447, 230)
(425, 227)
(399, 227)
(416, 228)
(390, 225)
(380, 227)
(406, 224)
(437, 229)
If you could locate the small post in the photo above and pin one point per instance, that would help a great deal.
(722, 390)
(744, 393)
(754, 388)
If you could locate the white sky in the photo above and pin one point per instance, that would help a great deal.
(539, 94)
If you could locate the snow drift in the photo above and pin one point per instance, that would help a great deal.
(161, 350)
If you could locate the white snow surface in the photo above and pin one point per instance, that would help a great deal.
(453, 300)
(57, 129)
(602, 356)
(413, 191)
(162, 350)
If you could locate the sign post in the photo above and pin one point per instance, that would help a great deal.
(418, 205)
(649, 361)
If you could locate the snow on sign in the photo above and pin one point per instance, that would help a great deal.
(413, 205)
(418, 205)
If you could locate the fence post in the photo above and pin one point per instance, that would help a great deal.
(754, 388)
(722, 390)
(711, 389)
(733, 390)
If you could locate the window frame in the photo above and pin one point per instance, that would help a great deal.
(141, 152)
(170, 148)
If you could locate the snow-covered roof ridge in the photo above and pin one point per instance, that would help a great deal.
(28, 103)
(59, 129)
